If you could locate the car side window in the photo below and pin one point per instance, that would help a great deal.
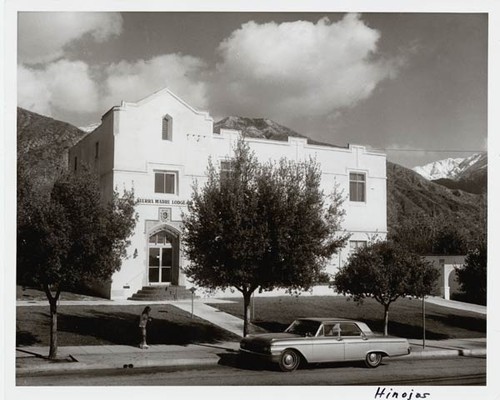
(332, 329)
(348, 329)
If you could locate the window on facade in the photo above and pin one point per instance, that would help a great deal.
(354, 245)
(357, 186)
(76, 163)
(166, 129)
(226, 167)
(165, 182)
(96, 150)
(159, 239)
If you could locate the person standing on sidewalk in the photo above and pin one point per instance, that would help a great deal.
(143, 322)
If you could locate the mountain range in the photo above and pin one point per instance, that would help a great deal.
(43, 145)
(469, 174)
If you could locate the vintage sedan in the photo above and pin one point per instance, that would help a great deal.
(317, 340)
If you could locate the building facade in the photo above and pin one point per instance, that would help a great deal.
(447, 285)
(160, 146)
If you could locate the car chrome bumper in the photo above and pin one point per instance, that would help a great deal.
(267, 357)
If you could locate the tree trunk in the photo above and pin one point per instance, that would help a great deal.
(53, 318)
(386, 319)
(246, 311)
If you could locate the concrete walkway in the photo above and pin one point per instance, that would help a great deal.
(457, 305)
(213, 315)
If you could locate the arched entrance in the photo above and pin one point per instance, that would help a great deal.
(163, 257)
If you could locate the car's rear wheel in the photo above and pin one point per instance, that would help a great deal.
(373, 360)
(289, 360)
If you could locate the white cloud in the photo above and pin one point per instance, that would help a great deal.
(298, 68)
(72, 86)
(63, 85)
(43, 36)
(132, 81)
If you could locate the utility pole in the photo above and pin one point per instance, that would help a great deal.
(192, 290)
(423, 321)
(253, 306)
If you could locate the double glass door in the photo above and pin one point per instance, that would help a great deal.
(160, 258)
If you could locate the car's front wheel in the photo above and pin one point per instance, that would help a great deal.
(373, 360)
(289, 360)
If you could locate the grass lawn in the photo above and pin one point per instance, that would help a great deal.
(103, 324)
(28, 294)
(99, 325)
(405, 315)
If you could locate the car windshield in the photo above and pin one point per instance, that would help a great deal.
(303, 327)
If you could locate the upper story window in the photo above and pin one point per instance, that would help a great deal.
(165, 182)
(166, 128)
(357, 186)
(226, 167)
(96, 150)
(354, 245)
(76, 164)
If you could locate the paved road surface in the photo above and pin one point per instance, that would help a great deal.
(453, 371)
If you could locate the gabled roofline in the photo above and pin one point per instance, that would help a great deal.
(158, 93)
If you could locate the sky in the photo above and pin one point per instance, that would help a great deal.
(413, 85)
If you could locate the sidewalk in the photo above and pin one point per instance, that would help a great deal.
(29, 360)
(72, 358)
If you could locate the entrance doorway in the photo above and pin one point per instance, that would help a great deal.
(162, 246)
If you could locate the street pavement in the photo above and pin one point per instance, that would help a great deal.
(33, 359)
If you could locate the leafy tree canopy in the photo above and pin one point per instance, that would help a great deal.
(261, 226)
(426, 235)
(70, 237)
(472, 277)
(385, 272)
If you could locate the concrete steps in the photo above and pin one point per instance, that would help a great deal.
(156, 293)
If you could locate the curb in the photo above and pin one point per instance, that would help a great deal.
(79, 366)
(444, 353)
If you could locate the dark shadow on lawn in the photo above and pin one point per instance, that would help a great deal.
(404, 330)
(25, 338)
(462, 322)
(122, 328)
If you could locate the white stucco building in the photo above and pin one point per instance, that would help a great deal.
(160, 145)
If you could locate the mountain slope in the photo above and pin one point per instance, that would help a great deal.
(408, 193)
(469, 174)
(262, 128)
(42, 146)
(442, 169)
(450, 168)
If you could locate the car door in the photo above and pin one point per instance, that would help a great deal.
(355, 343)
(328, 345)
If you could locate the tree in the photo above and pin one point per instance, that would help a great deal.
(472, 277)
(385, 272)
(426, 235)
(69, 237)
(260, 226)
